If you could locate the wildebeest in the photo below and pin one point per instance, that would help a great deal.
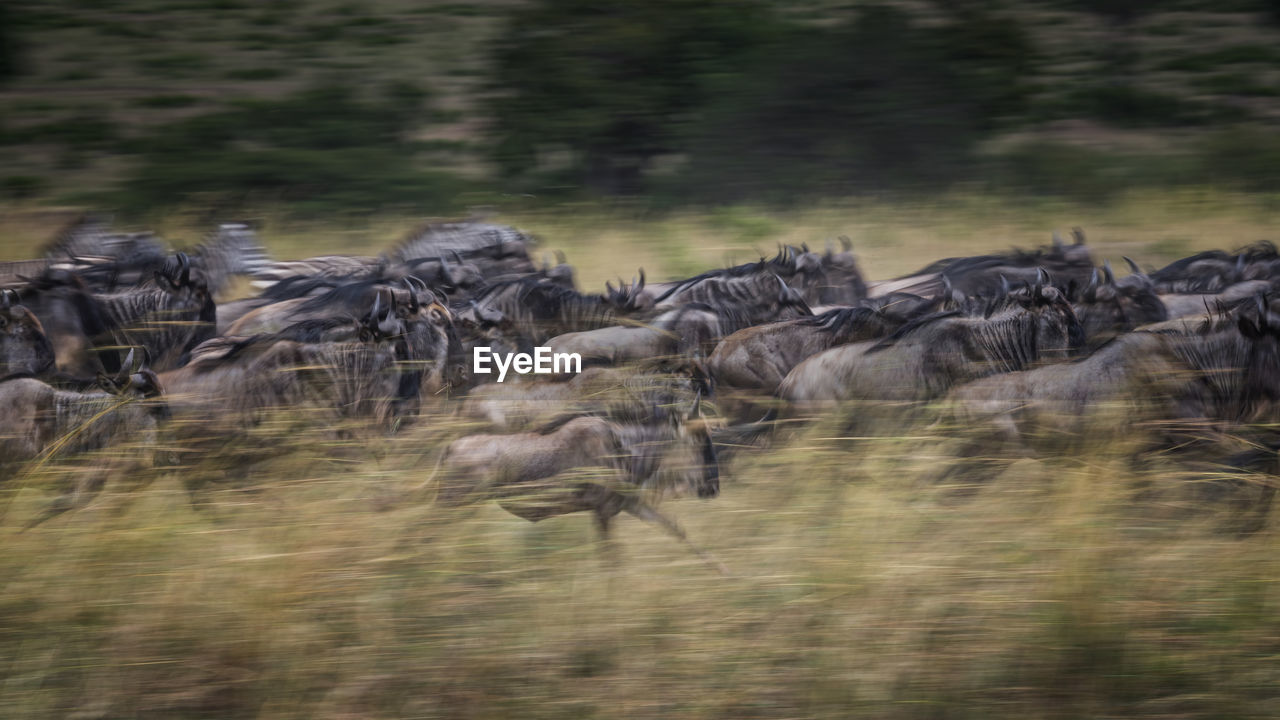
(925, 357)
(39, 422)
(167, 318)
(24, 348)
(584, 464)
(986, 274)
(757, 358)
(1180, 305)
(750, 287)
(539, 310)
(345, 367)
(628, 394)
(1108, 307)
(1225, 370)
(74, 321)
(839, 281)
(690, 330)
(1213, 271)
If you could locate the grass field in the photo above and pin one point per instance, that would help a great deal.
(1065, 587)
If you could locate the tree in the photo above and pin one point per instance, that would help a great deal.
(866, 105)
(610, 83)
(9, 44)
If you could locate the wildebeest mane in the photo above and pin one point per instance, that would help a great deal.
(840, 319)
(350, 296)
(783, 262)
(913, 326)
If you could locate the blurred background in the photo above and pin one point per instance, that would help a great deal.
(332, 107)
(677, 135)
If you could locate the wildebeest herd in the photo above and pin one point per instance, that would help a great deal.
(114, 339)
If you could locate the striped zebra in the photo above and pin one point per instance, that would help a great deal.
(232, 250)
(466, 238)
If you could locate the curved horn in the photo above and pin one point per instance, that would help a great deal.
(641, 285)
(695, 410)
(1107, 273)
(1004, 284)
(804, 247)
(1133, 266)
(377, 305)
(126, 367)
(1078, 234)
(413, 295)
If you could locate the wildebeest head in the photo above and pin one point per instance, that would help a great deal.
(1262, 329)
(842, 281)
(431, 340)
(628, 298)
(24, 348)
(561, 273)
(791, 303)
(382, 321)
(1108, 306)
(682, 458)
(136, 382)
(1040, 317)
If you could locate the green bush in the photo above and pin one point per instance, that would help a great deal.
(1211, 60)
(22, 186)
(167, 101)
(1128, 106)
(258, 73)
(864, 106)
(1247, 158)
(83, 131)
(324, 145)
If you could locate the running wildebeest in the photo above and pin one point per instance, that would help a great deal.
(926, 357)
(24, 348)
(624, 395)
(74, 321)
(1182, 385)
(986, 274)
(584, 464)
(167, 318)
(690, 330)
(757, 358)
(38, 420)
(1108, 307)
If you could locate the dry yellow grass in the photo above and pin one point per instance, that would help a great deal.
(1063, 587)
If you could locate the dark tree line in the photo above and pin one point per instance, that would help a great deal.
(730, 98)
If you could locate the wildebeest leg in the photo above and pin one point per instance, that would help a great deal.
(646, 513)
